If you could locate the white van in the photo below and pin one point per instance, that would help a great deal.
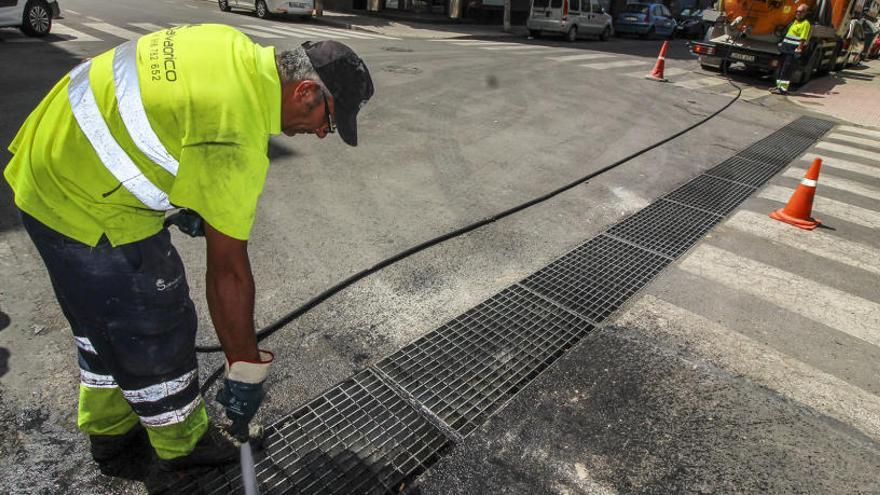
(34, 17)
(572, 18)
(268, 8)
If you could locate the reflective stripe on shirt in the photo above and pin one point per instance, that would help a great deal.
(131, 107)
(91, 122)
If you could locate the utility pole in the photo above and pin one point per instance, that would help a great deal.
(506, 16)
(319, 7)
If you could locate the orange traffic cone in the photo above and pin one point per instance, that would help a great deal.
(799, 208)
(657, 73)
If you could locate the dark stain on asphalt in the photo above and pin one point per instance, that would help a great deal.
(399, 69)
(397, 49)
(627, 414)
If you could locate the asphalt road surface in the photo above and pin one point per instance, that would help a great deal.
(457, 131)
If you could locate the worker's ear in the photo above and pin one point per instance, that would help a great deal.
(306, 91)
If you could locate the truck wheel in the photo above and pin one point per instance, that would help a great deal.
(224, 5)
(572, 34)
(37, 18)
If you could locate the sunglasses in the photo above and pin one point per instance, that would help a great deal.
(331, 127)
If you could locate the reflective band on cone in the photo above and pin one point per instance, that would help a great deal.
(800, 207)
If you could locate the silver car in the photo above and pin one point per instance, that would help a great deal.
(268, 8)
(34, 17)
(572, 18)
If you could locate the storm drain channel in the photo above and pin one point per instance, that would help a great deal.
(383, 427)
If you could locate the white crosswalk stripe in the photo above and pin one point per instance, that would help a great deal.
(858, 168)
(761, 364)
(826, 305)
(871, 143)
(834, 182)
(517, 47)
(704, 82)
(615, 65)
(859, 130)
(76, 36)
(259, 34)
(816, 242)
(849, 150)
(113, 30)
(312, 32)
(823, 206)
(582, 56)
(146, 26)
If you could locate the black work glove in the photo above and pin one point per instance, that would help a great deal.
(242, 392)
(188, 221)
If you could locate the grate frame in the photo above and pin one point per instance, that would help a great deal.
(744, 171)
(711, 194)
(466, 370)
(596, 278)
(665, 227)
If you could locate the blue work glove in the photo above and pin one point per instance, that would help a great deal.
(242, 391)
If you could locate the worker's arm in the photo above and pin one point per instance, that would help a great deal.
(230, 292)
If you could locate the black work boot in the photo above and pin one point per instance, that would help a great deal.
(213, 449)
(124, 456)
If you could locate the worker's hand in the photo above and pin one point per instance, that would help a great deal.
(242, 391)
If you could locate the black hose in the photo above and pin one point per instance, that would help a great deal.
(323, 296)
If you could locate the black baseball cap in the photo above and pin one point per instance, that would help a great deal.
(346, 77)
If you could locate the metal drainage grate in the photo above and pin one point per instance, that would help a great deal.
(744, 171)
(808, 127)
(359, 437)
(597, 277)
(363, 436)
(711, 194)
(778, 149)
(470, 367)
(665, 227)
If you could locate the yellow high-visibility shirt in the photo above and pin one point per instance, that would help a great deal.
(799, 30)
(212, 97)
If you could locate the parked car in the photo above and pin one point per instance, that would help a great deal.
(571, 18)
(689, 24)
(268, 8)
(34, 17)
(645, 19)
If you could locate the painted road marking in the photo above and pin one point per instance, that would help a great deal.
(859, 130)
(858, 168)
(146, 26)
(827, 207)
(704, 82)
(832, 307)
(516, 47)
(614, 65)
(828, 180)
(61, 29)
(258, 33)
(762, 364)
(583, 56)
(815, 242)
(113, 30)
(849, 150)
(871, 143)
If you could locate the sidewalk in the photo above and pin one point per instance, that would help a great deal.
(418, 28)
(852, 94)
